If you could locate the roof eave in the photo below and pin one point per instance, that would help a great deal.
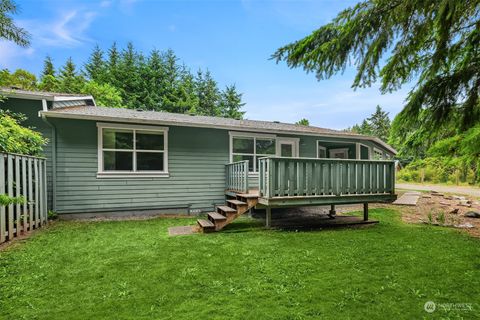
(56, 114)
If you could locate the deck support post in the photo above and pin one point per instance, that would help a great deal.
(365, 211)
(268, 217)
(332, 212)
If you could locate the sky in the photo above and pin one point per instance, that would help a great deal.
(232, 39)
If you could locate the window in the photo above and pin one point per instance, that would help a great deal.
(377, 154)
(132, 150)
(321, 151)
(251, 148)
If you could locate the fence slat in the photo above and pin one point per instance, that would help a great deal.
(25, 195)
(10, 194)
(18, 193)
(3, 218)
(30, 193)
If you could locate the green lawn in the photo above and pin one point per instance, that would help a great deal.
(133, 270)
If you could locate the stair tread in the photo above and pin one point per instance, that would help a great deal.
(216, 216)
(237, 202)
(247, 195)
(226, 209)
(205, 223)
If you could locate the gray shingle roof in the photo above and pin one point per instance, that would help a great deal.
(166, 118)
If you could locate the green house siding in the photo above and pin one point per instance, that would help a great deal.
(197, 159)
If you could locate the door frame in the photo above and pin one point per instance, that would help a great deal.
(294, 142)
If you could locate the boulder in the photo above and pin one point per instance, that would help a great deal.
(473, 214)
(465, 225)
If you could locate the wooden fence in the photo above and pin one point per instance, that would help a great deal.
(300, 177)
(22, 176)
(236, 176)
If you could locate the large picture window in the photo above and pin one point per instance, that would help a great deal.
(251, 148)
(132, 150)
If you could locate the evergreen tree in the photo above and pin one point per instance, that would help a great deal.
(69, 80)
(208, 94)
(8, 30)
(395, 41)
(95, 68)
(48, 82)
(128, 76)
(231, 103)
(380, 123)
(112, 71)
(303, 122)
(151, 74)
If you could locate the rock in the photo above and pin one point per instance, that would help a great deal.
(466, 205)
(454, 211)
(447, 198)
(427, 196)
(472, 214)
(442, 203)
(437, 194)
(465, 225)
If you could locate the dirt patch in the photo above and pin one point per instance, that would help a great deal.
(445, 210)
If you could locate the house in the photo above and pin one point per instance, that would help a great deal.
(107, 160)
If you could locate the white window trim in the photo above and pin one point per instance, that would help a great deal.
(331, 151)
(320, 147)
(238, 134)
(130, 174)
(287, 140)
(359, 148)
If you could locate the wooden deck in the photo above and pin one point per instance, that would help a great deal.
(290, 182)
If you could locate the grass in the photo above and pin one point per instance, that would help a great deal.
(133, 270)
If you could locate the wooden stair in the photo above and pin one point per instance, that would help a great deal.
(225, 214)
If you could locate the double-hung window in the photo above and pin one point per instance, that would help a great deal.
(132, 150)
(251, 148)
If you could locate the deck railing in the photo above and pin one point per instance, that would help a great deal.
(22, 177)
(301, 177)
(237, 176)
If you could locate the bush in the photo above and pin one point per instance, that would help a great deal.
(17, 139)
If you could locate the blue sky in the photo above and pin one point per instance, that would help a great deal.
(233, 39)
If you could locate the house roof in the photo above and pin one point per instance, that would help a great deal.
(40, 95)
(165, 118)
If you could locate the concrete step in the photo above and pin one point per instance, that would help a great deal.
(215, 216)
(226, 209)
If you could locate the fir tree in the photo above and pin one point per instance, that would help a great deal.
(231, 103)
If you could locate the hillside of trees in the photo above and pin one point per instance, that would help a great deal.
(127, 78)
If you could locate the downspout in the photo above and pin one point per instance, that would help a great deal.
(53, 143)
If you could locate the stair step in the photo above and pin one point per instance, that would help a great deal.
(237, 202)
(247, 195)
(206, 224)
(226, 209)
(216, 216)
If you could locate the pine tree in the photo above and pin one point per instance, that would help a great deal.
(95, 68)
(395, 41)
(112, 67)
(8, 30)
(208, 94)
(48, 81)
(128, 76)
(303, 122)
(231, 103)
(380, 123)
(69, 80)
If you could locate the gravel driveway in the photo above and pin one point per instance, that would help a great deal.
(470, 191)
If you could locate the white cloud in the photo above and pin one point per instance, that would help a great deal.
(105, 3)
(67, 30)
(10, 54)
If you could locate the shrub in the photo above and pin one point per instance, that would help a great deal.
(17, 139)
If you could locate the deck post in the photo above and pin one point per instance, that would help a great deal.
(332, 212)
(268, 217)
(365, 211)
